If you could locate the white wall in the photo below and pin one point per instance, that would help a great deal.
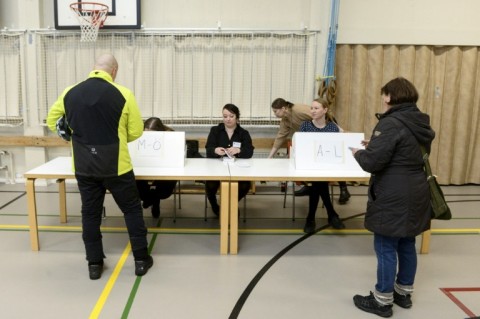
(246, 14)
(429, 22)
(441, 22)
(206, 14)
(8, 14)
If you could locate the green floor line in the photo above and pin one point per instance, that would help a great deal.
(138, 280)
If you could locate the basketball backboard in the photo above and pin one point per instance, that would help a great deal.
(122, 14)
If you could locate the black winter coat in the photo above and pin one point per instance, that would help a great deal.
(399, 196)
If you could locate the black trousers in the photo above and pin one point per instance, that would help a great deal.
(124, 191)
(161, 190)
(317, 190)
(213, 186)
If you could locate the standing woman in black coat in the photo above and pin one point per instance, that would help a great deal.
(398, 207)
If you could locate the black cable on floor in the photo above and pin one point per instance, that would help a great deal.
(13, 200)
(243, 298)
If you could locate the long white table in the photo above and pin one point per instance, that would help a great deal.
(257, 169)
(60, 169)
(229, 174)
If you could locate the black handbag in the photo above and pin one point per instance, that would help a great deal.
(440, 209)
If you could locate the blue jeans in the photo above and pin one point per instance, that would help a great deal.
(394, 253)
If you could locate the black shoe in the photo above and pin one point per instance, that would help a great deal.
(95, 270)
(147, 202)
(156, 210)
(142, 266)
(344, 195)
(336, 223)
(304, 191)
(369, 304)
(310, 227)
(404, 301)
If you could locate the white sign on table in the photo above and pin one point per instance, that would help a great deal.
(164, 149)
(328, 151)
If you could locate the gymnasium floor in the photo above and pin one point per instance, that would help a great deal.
(316, 278)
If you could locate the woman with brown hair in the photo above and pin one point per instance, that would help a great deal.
(398, 207)
(151, 192)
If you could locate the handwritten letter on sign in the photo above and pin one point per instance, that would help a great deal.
(158, 149)
(151, 145)
(325, 151)
(329, 152)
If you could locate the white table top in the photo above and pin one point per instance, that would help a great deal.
(196, 168)
(282, 170)
(60, 167)
(214, 169)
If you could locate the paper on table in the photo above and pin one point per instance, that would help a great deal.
(242, 163)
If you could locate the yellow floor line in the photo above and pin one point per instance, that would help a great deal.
(240, 231)
(111, 282)
(438, 231)
(112, 229)
(455, 230)
(14, 227)
(298, 231)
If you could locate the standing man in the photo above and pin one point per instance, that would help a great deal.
(103, 117)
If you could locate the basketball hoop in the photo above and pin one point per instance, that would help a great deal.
(91, 16)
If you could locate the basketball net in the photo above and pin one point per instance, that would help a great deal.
(91, 16)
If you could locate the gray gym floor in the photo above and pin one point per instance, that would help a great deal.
(317, 278)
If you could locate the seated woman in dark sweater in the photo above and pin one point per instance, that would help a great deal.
(322, 121)
(228, 139)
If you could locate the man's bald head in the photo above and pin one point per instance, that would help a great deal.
(107, 63)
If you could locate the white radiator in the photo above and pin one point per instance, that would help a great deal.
(6, 164)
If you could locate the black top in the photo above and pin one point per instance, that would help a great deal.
(218, 137)
(94, 108)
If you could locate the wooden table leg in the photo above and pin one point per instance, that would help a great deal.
(425, 246)
(224, 198)
(62, 200)
(32, 214)
(234, 218)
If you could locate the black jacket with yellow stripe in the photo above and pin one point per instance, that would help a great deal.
(103, 117)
